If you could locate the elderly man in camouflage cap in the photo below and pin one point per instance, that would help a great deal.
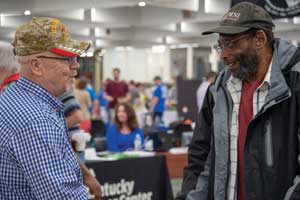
(246, 140)
(36, 158)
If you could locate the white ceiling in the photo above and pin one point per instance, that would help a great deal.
(111, 23)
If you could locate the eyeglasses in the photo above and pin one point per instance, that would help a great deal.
(229, 45)
(69, 61)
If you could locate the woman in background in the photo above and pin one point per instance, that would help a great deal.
(121, 135)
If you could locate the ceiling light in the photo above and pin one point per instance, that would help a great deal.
(27, 12)
(142, 3)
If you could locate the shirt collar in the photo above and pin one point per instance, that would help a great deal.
(233, 80)
(40, 92)
(267, 78)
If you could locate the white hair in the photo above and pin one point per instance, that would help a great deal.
(8, 60)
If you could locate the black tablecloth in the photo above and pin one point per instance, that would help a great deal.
(133, 178)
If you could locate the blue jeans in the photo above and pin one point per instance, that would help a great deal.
(157, 118)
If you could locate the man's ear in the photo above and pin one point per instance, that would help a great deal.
(35, 66)
(260, 39)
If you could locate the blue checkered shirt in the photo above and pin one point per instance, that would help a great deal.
(36, 158)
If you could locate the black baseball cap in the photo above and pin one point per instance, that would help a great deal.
(242, 17)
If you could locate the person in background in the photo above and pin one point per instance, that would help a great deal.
(246, 140)
(140, 105)
(172, 94)
(93, 97)
(116, 91)
(121, 135)
(103, 103)
(142, 94)
(134, 93)
(74, 116)
(7, 55)
(158, 101)
(201, 91)
(84, 101)
(9, 66)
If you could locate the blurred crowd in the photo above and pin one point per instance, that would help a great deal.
(122, 107)
(143, 97)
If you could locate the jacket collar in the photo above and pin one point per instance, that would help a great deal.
(278, 86)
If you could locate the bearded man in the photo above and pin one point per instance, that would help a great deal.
(246, 140)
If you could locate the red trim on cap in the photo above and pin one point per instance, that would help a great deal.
(63, 52)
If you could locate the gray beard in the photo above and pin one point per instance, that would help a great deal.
(248, 66)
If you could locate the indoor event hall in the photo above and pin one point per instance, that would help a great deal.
(150, 100)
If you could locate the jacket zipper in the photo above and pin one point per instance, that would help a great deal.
(268, 141)
(268, 145)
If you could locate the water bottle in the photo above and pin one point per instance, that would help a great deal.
(148, 145)
(137, 142)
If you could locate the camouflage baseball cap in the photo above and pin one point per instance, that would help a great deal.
(46, 34)
(242, 17)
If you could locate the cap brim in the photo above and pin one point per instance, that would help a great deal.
(71, 49)
(227, 30)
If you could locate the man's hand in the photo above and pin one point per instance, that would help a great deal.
(94, 186)
(90, 181)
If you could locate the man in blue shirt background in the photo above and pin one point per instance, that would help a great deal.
(158, 102)
(37, 161)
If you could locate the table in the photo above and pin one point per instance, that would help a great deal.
(145, 178)
(176, 163)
